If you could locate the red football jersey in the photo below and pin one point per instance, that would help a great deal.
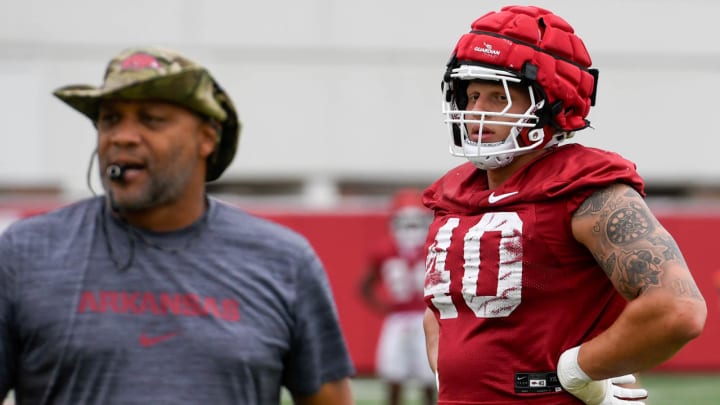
(509, 284)
(402, 275)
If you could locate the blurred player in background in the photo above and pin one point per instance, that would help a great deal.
(549, 280)
(156, 293)
(393, 287)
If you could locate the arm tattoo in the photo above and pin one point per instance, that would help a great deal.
(628, 224)
(685, 288)
(671, 250)
(630, 245)
(637, 270)
(593, 204)
(608, 265)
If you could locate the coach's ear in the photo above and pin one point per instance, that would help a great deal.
(209, 138)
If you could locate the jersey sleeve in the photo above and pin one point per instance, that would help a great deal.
(318, 352)
(591, 171)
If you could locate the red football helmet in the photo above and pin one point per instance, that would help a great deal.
(519, 46)
(409, 219)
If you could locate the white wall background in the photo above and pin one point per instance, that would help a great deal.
(351, 89)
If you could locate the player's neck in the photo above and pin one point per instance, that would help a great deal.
(496, 177)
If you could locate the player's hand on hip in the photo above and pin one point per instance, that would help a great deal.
(596, 392)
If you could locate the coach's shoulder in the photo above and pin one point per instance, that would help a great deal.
(246, 227)
(58, 219)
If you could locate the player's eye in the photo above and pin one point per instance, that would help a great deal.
(500, 98)
(472, 99)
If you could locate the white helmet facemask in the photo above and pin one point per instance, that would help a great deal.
(488, 156)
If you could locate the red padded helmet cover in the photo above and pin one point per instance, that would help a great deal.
(517, 34)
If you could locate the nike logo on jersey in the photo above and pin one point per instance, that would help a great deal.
(148, 341)
(492, 199)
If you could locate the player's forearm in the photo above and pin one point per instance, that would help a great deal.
(432, 337)
(652, 329)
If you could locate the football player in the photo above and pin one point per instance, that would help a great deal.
(397, 268)
(549, 281)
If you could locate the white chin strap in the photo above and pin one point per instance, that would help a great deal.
(489, 156)
(489, 162)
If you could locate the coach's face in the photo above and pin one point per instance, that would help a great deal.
(162, 148)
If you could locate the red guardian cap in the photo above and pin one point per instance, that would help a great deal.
(539, 47)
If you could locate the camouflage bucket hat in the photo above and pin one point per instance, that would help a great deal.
(165, 75)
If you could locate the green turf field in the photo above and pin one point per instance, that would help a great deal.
(665, 389)
(682, 389)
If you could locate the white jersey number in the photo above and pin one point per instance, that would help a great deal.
(509, 271)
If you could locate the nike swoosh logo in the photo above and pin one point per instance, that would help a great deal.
(492, 199)
(148, 341)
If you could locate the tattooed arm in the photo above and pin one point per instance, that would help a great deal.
(645, 265)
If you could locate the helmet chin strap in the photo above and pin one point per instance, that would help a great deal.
(491, 156)
(496, 160)
(491, 162)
